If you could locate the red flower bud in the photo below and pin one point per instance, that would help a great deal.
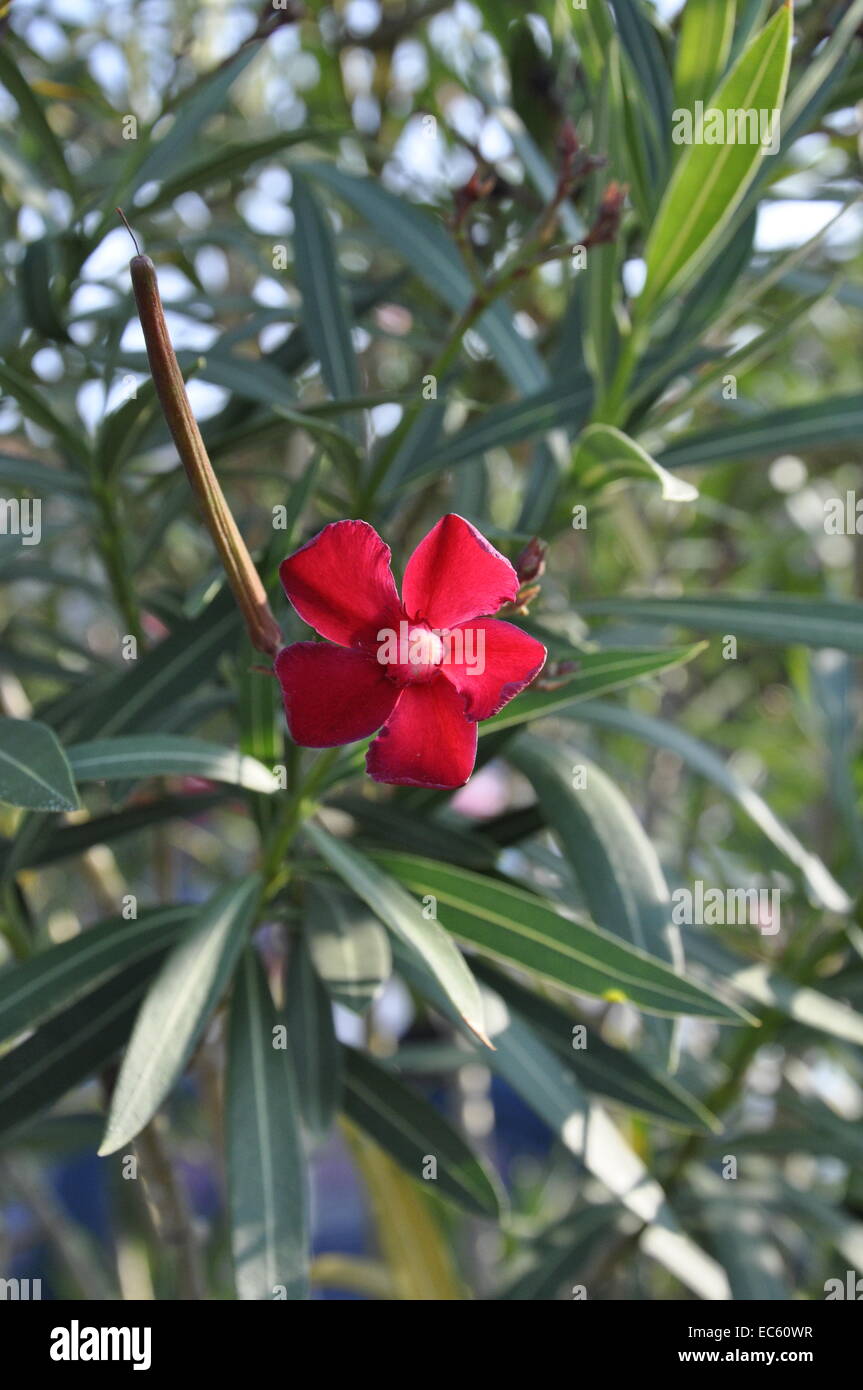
(530, 564)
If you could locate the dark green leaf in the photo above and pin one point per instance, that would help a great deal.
(266, 1166)
(71, 1047)
(34, 770)
(314, 1049)
(522, 929)
(776, 619)
(178, 1005)
(318, 279)
(411, 1131)
(793, 429)
(51, 980)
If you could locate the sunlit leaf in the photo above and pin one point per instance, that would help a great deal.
(189, 984)
(161, 755)
(711, 180)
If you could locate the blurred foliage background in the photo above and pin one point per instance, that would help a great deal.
(363, 218)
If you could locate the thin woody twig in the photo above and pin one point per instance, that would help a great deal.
(170, 1212)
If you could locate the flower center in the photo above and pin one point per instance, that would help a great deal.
(411, 653)
(425, 648)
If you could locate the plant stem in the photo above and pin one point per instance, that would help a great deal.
(610, 410)
(12, 927)
(170, 1212)
(113, 556)
(300, 806)
(66, 1238)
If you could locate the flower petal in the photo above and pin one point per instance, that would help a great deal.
(427, 741)
(331, 695)
(455, 574)
(341, 584)
(490, 663)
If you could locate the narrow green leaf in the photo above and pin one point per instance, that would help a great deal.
(558, 1261)
(793, 429)
(385, 824)
(121, 432)
(815, 79)
(71, 1047)
(605, 455)
(34, 119)
(599, 294)
(755, 981)
(229, 162)
(67, 840)
(349, 947)
(431, 252)
(593, 29)
(603, 1070)
(39, 478)
(260, 381)
(598, 672)
(585, 1129)
(753, 15)
(164, 755)
(33, 406)
(162, 676)
(51, 980)
(564, 403)
(34, 770)
(314, 1048)
(553, 1092)
(706, 32)
(710, 181)
(259, 713)
(615, 863)
(324, 304)
(645, 52)
(609, 1072)
(23, 180)
(266, 1165)
(411, 1131)
(825, 891)
(833, 681)
(639, 145)
(178, 1005)
(56, 1134)
(744, 1240)
(194, 109)
(405, 918)
(776, 619)
(514, 926)
(37, 286)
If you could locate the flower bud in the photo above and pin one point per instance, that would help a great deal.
(530, 564)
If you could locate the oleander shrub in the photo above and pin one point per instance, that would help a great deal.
(525, 339)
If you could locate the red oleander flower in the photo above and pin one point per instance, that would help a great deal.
(423, 669)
